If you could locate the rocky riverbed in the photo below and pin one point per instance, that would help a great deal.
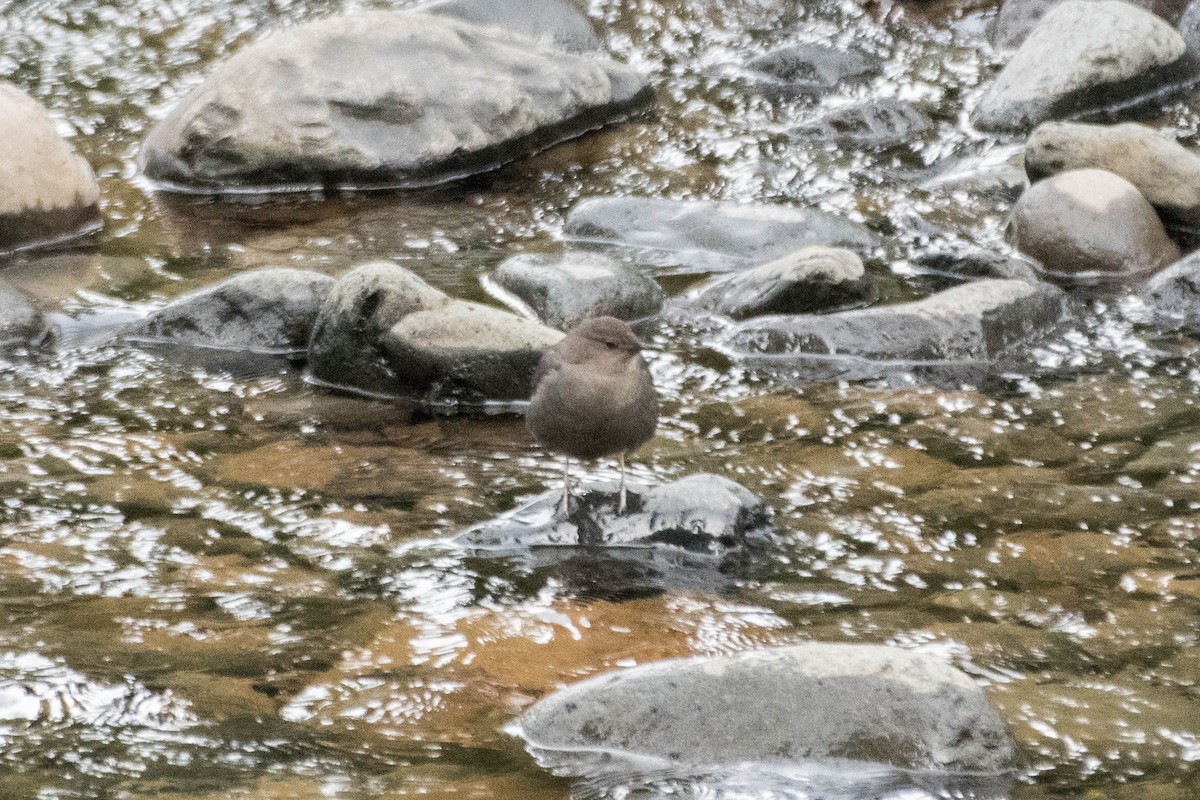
(920, 286)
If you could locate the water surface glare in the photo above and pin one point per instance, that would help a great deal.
(230, 583)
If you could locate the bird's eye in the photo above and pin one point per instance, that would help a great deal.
(611, 345)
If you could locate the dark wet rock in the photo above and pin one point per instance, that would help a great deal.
(564, 290)
(810, 280)
(1089, 226)
(1018, 17)
(1164, 171)
(50, 193)
(558, 23)
(976, 321)
(384, 330)
(973, 263)
(807, 68)
(1077, 53)
(382, 99)
(808, 702)
(267, 310)
(21, 325)
(875, 124)
(703, 514)
(703, 236)
(1173, 295)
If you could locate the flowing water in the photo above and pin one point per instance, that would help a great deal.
(222, 582)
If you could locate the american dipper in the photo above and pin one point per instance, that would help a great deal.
(593, 396)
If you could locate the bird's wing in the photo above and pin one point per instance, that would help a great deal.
(551, 362)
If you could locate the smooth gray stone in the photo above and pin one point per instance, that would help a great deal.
(50, 193)
(807, 68)
(706, 236)
(973, 263)
(1164, 171)
(1173, 295)
(565, 290)
(21, 325)
(1018, 17)
(976, 321)
(267, 310)
(874, 124)
(703, 514)
(383, 330)
(808, 702)
(382, 99)
(557, 23)
(1077, 49)
(809, 280)
(1089, 225)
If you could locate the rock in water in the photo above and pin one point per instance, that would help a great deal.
(979, 320)
(1075, 52)
(558, 23)
(50, 193)
(1173, 295)
(704, 236)
(384, 330)
(565, 290)
(704, 514)
(266, 310)
(1088, 226)
(380, 99)
(813, 279)
(808, 702)
(1163, 170)
(21, 325)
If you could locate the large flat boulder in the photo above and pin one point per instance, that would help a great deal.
(1080, 56)
(706, 236)
(383, 330)
(808, 702)
(268, 310)
(979, 320)
(1164, 171)
(50, 193)
(377, 99)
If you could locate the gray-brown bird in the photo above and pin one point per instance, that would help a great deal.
(593, 396)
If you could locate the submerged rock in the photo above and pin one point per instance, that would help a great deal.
(976, 321)
(566, 290)
(1164, 171)
(21, 325)
(803, 703)
(968, 263)
(267, 310)
(558, 23)
(1081, 55)
(384, 330)
(50, 193)
(1173, 295)
(704, 514)
(703, 236)
(807, 68)
(382, 99)
(1087, 226)
(876, 124)
(809, 280)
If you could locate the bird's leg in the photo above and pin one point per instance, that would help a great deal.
(566, 498)
(621, 491)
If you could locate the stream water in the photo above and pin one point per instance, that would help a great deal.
(226, 583)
